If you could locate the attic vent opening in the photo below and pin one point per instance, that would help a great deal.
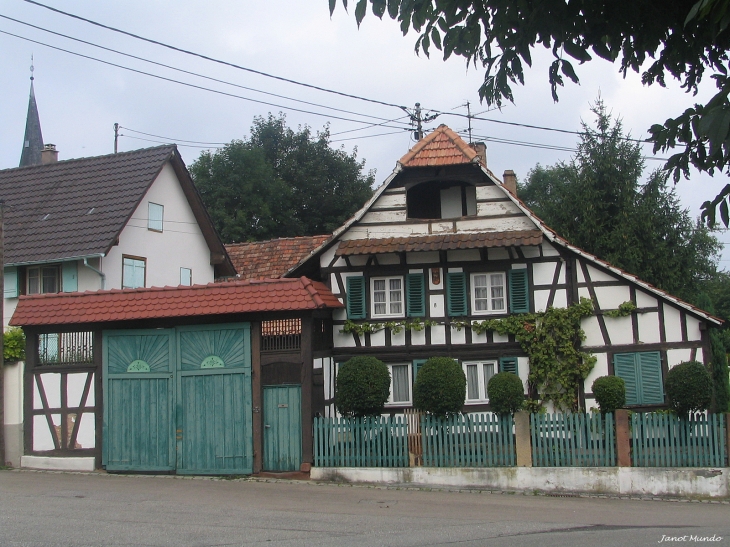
(441, 200)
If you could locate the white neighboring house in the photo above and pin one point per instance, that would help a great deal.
(127, 220)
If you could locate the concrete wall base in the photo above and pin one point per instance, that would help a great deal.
(637, 481)
(13, 444)
(57, 464)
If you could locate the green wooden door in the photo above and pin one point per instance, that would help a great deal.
(214, 421)
(282, 428)
(139, 369)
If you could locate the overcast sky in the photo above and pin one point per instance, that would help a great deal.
(80, 99)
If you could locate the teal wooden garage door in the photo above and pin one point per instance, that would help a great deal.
(214, 400)
(178, 399)
(139, 388)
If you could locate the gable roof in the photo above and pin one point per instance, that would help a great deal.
(271, 295)
(452, 152)
(272, 258)
(77, 208)
(440, 147)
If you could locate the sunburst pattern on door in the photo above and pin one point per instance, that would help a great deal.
(212, 349)
(126, 352)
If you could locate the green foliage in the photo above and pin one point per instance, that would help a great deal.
(362, 387)
(639, 228)
(624, 310)
(719, 373)
(280, 183)
(395, 327)
(506, 393)
(610, 393)
(14, 344)
(682, 40)
(551, 339)
(689, 388)
(440, 387)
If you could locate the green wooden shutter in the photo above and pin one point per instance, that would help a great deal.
(624, 366)
(356, 308)
(651, 387)
(508, 364)
(417, 364)
(456, 293)
(11, 283)
(416, 291)
(70, 277)
(519, 293)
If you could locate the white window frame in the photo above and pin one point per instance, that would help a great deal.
(190, 276)
(40, 268)
(473, 293)
(483, 398)
(388, 301)
(161, 220)
(409, 402)
(144, 271)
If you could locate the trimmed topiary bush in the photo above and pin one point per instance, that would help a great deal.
(362, 387)
(440, 387)
(689, 388)
(506, 393)
(610, 393)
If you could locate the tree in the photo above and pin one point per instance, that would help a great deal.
(681, 39)
(596, 202)
(280, 183)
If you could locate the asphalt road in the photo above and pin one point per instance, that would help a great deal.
(57, 509)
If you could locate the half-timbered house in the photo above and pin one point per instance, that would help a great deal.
(443, 240)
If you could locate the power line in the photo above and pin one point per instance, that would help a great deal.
(167, 142)
(187, 84)
(367, 136)
(171, 139)
(212, 59)
(187, 71)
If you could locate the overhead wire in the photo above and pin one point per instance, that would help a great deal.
(212, 59)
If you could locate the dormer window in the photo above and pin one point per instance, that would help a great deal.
(441, 200)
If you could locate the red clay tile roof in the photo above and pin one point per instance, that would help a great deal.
(439, 242)
(272, 258)
(441, 147)
(268, 295)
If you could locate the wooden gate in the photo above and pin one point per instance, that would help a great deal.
(178, 399)
(282, 428)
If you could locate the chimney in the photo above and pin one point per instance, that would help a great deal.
(481, 149)
(510, 181)
(49, 154)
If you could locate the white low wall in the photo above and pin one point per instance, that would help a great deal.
(58, 464)
(636, 481)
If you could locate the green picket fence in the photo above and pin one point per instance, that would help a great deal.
(380, 441)
(573, 440)
(468, 440)
(664, 440)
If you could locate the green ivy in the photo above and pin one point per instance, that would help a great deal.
(552, 340)
(14, 344)
(624, 310)
(395, 327)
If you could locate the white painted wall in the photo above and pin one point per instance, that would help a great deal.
(181, 244)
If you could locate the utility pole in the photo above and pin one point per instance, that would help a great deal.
(2, 345)
(116, 136)
(418, 119)
(468, 117)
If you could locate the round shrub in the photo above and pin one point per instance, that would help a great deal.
(610, 393)
(362, 387)
(689, 388)
(440, 387)
(506, 393)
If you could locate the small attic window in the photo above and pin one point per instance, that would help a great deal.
(441, 200)
(90, 210)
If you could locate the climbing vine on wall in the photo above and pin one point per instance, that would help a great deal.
(551, 339)
(350, 327)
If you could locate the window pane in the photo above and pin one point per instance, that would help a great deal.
(50, 280)
(133, 273)
(396, 296)
(472, 382)
(401, 385)
(155, 217)
(34, 281)
(186, 276)
(488, 373)
(379, 285)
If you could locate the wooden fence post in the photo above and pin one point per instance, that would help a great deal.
(727, 437)
(523, 445)
(623, 445)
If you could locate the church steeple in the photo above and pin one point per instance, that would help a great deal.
(33, 140)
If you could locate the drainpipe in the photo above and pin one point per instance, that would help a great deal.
(101, 274)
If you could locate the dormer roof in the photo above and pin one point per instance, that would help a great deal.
(440, 147)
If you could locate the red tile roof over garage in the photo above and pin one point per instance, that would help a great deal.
(272, 258)
(439, 242)
(298, 294)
